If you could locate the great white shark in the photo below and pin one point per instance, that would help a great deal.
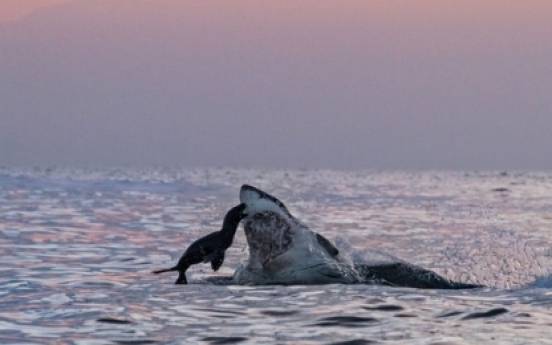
(282, 250)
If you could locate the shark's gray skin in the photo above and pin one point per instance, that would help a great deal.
(284, 251)
(210, 248)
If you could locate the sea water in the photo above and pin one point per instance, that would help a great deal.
(77, 248)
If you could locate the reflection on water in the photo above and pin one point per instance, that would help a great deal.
(77, 249)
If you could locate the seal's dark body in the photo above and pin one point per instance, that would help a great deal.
(210, 248)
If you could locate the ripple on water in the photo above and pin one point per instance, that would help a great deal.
(114, 321)
(385, 307)
(224, 340)
(347, 321)
(490, 313)
(77, 248)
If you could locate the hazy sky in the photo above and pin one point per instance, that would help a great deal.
(278, 84)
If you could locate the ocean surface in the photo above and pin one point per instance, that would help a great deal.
(77, 248)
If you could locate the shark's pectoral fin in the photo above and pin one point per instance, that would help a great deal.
(327, 245)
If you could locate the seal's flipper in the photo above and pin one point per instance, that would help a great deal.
(217, 261)
(324, 242)
(181, 278)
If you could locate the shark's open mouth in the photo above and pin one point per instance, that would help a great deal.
(268, 234)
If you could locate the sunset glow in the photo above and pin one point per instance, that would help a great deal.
(395, 84)
(13, 10)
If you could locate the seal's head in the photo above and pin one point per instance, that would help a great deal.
(234, 216)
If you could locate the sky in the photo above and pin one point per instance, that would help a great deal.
(361, 84)
(12, 10)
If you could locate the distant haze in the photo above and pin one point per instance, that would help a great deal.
(279, 84)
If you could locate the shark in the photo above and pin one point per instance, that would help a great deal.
(283, 250)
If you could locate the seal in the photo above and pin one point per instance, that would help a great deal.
(210, 248)
(282, 250)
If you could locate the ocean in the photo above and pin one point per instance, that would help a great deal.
(77, 247)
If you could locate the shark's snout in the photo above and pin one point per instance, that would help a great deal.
(249, 194)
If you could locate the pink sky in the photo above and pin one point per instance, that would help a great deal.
(315, 83)
(12, 10)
